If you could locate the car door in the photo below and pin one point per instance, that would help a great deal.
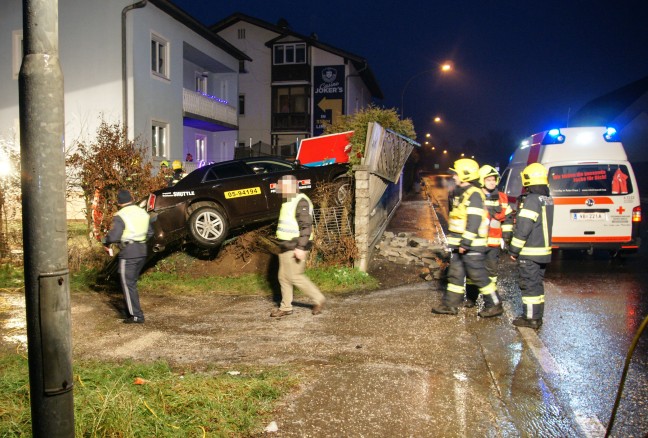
(270, 171)
(237, 189)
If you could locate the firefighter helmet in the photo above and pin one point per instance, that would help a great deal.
(487, 170)
(164, 163)
(466, 169)
(177, 165)
(535, 174)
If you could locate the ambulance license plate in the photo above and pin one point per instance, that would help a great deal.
(588, 216)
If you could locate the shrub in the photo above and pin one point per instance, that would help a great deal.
(103, 166)
(358, 122)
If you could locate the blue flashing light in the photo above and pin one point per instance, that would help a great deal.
(611, 134)
(554, 136)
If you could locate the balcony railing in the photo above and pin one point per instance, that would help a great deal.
(201, 105)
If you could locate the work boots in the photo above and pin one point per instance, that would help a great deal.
(491, 311)
(521, 321)
(442, 309)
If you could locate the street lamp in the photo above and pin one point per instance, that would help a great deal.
(443, 68)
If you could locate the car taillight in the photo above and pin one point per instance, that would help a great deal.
(150, 205)
(636, 214)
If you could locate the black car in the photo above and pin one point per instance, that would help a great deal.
(211, 201)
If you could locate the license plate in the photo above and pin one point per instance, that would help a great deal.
(588, 216)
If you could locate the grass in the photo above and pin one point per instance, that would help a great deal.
(169, 403)
(330, 280)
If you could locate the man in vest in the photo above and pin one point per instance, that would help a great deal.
(178, 173)
(467, 233)
(500, 227)
(131, 228)
(531, 243)
(295, 234)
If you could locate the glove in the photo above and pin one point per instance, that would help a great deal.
(300, 254)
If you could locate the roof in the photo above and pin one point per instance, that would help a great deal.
(361, 65)
(605, 109)
(183, 17)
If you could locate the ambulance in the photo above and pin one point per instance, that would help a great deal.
(595, 194)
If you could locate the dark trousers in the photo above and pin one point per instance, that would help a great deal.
(470, 265)
(129, 272)
(532, 286)
(491, 258)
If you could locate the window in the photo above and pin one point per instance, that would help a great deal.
(201, 147)
(201, 82)
(159, 139)
(290, 53)
(241, 105)
(17, 49)
(229, 170)
(159, 56)
(290, 99)
(241, 34)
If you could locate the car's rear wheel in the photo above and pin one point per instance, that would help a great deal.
(343, 190)
(208, 226)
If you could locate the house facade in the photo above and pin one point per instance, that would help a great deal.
(148, 64)
(295, 86)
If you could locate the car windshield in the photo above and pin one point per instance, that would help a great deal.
(590, 180)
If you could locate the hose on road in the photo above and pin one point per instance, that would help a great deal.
(624, 375)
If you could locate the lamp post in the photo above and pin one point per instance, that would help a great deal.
(443, 68)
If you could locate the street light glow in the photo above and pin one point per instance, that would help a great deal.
(437, 119)
(427, 135)
(446, 66)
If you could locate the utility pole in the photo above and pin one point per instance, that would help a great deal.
(47, 287)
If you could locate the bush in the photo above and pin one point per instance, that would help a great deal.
(358, 122)
(104, 166)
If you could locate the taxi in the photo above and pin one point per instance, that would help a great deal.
(210, 202)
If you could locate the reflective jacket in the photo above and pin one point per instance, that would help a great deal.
(295, 227)
(136, 223)
(131, 228)
(532, 230)
(501, 218)
(468, 220)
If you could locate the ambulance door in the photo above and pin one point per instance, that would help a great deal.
(593, 204)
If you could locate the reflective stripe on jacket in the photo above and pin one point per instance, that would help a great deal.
(136, 222)
(532, 231)
(288, 227)
(500, 213)
(468, 220)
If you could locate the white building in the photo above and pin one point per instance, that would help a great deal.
(148, 63)
(295, 85)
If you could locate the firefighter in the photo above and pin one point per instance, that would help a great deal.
(178, 172)
(131, 228)
(531, 243)
(467, 233)
(500, 226)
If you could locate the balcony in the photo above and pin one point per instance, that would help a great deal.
(291, 122)
(209, 109)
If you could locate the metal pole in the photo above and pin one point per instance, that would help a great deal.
(47, 290)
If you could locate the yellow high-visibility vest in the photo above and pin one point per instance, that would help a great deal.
(288, 228)
(136, 221)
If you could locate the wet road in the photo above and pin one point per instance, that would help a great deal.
(594, 307)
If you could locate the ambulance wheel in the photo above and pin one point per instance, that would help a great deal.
(208, 226)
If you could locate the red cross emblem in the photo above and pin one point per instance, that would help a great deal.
(620, 210)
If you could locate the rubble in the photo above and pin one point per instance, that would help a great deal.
(404, 248)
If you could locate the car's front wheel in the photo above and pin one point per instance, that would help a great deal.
(343, 190)
(208, 226)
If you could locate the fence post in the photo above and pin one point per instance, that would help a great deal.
(362, 212)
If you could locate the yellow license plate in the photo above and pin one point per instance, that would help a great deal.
(243, 192)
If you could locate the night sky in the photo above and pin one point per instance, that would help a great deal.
(520, 66)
